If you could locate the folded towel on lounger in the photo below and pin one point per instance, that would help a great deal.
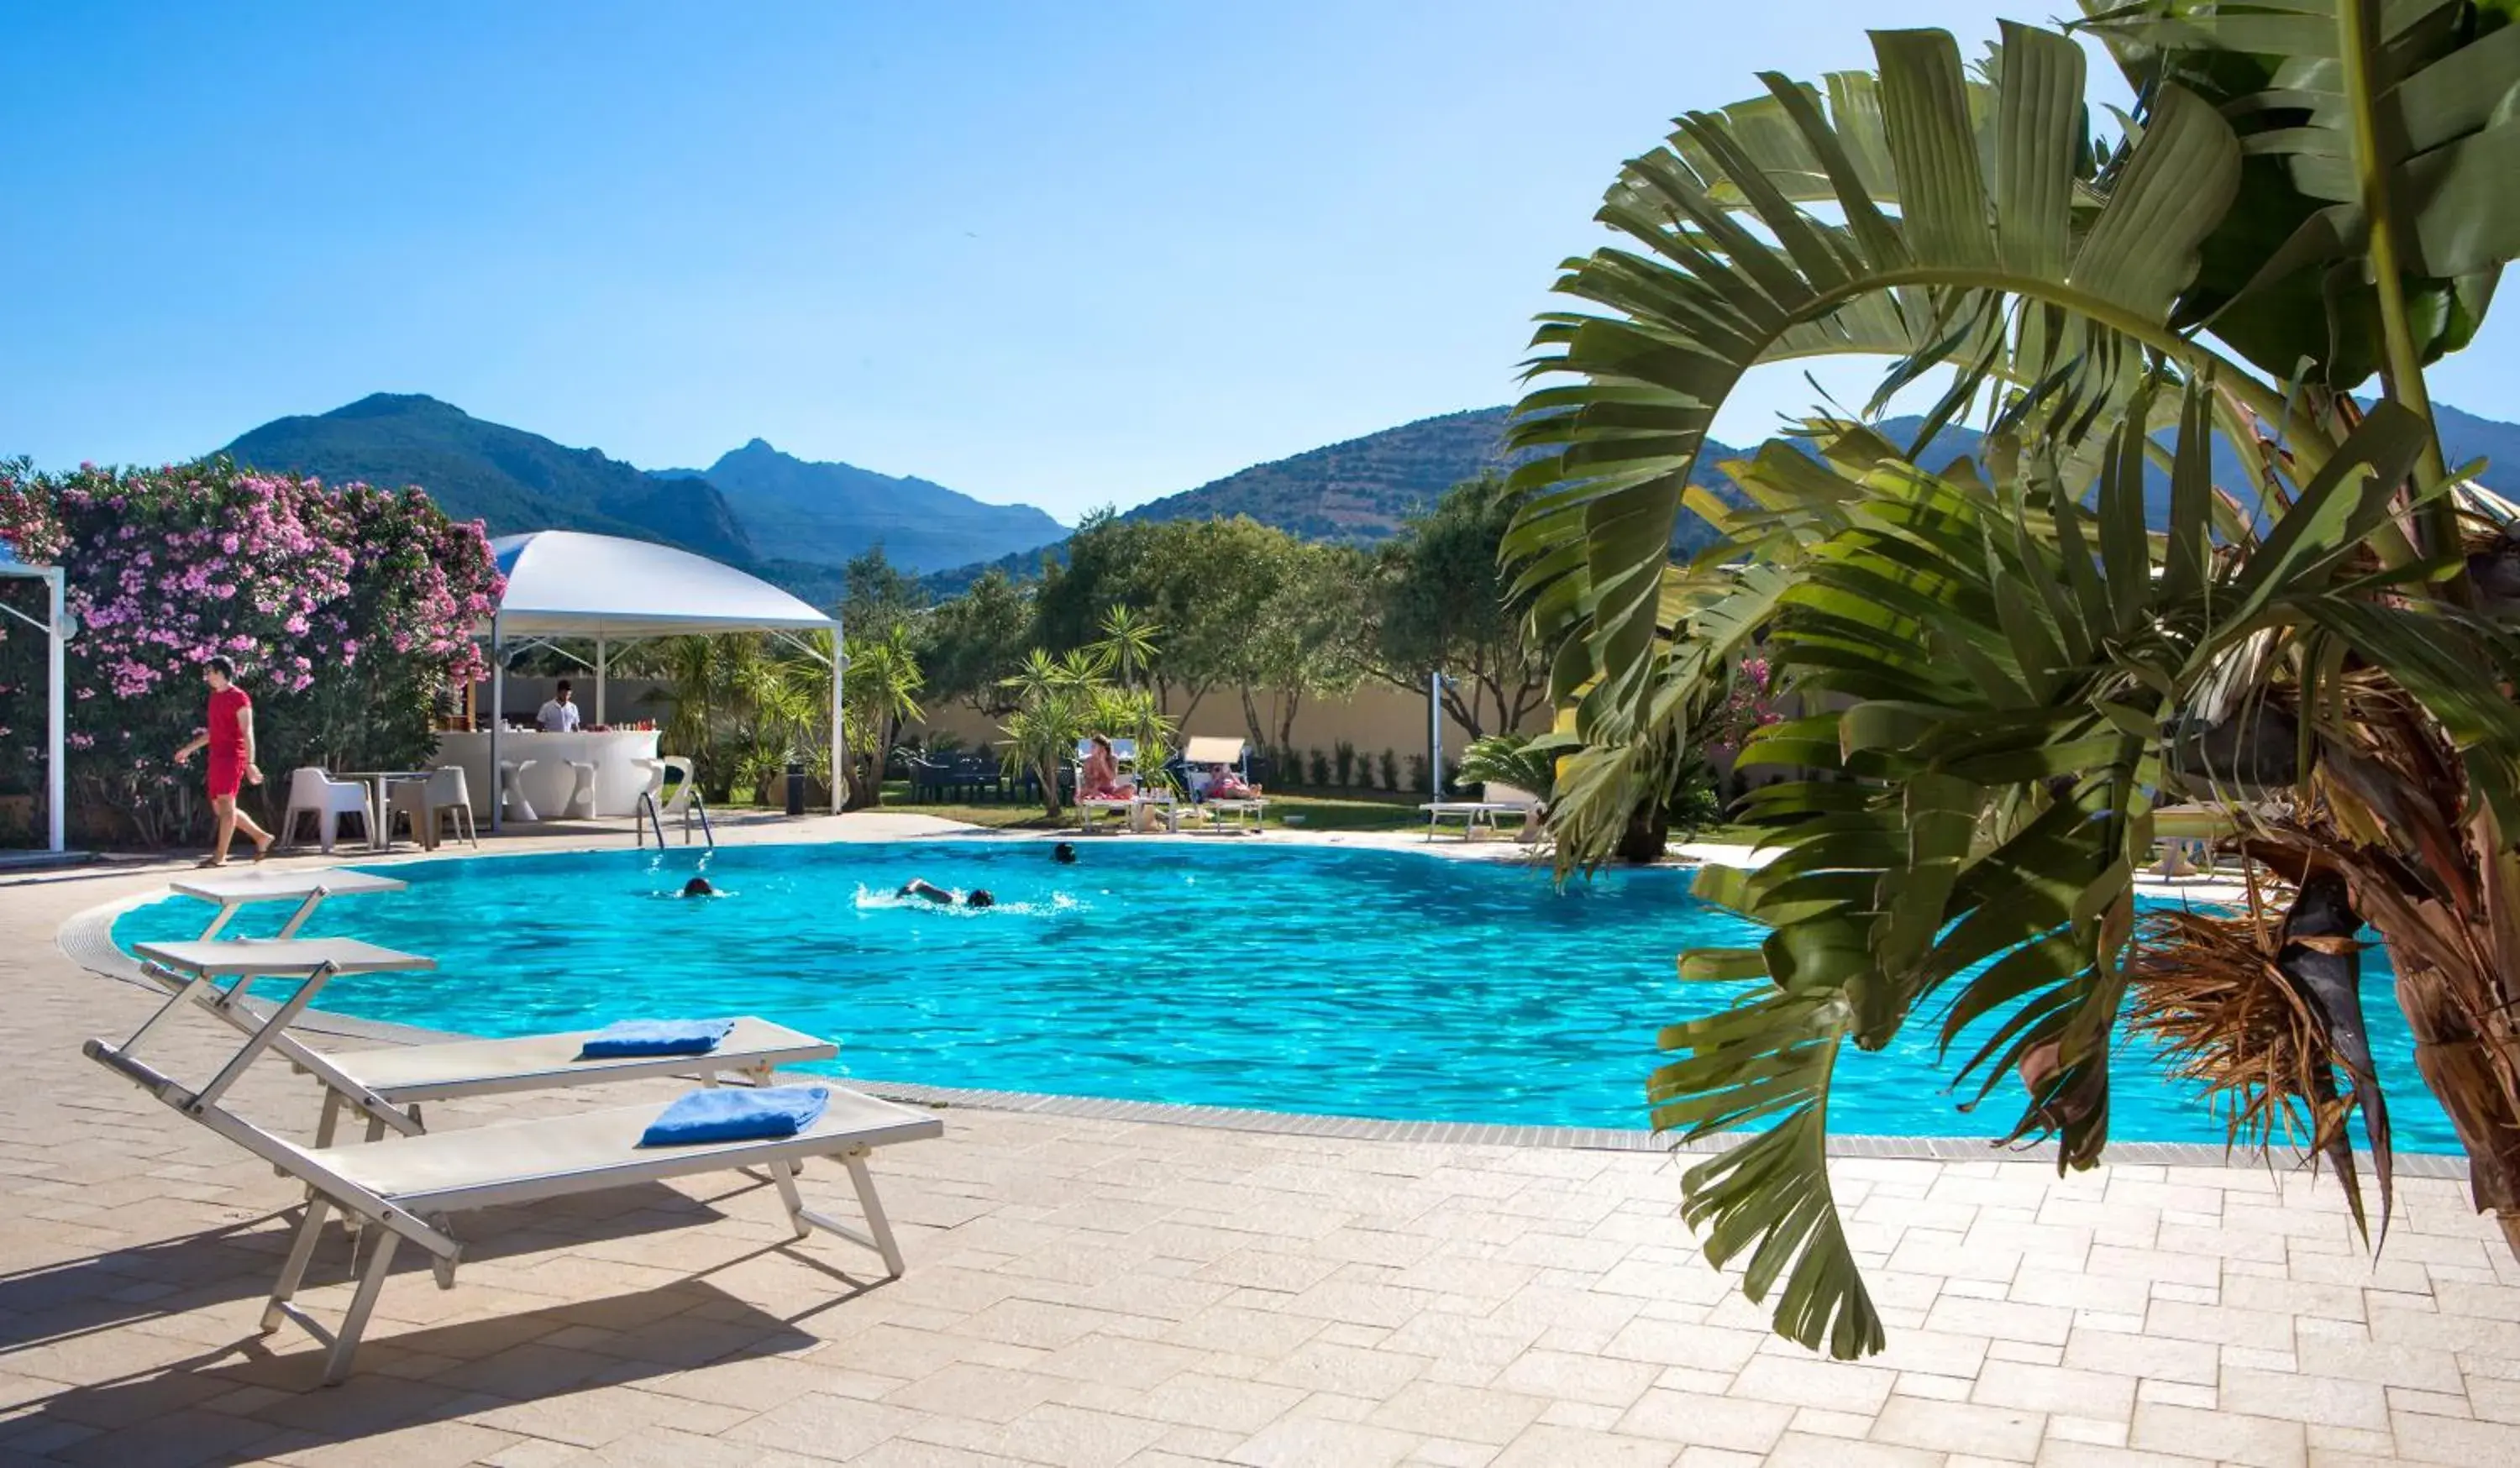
(757, 1114)
(656, 1037)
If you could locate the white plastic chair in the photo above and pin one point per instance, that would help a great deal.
(312, 793)
(433, 803)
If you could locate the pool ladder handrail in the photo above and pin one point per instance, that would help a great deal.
(654, 819)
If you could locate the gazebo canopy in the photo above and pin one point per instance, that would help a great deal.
(564, 583)
(569, 584)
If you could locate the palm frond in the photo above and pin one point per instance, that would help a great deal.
(1993, 271)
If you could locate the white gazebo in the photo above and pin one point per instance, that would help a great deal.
(567, 584)
(58, 629)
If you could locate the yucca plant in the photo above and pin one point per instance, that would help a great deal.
(1054, 705)
(2004, 668)
(880, 693)
(1128, 644)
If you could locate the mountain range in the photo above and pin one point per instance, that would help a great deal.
(784, 517)
(512, 478)
(796, 521)
(831, 512)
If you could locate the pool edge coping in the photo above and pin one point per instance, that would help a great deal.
(86, 939)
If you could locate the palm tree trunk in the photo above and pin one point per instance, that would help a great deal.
(1648, 833)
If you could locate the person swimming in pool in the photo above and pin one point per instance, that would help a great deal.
(1063, 854)
(928, 892)
(699, 886)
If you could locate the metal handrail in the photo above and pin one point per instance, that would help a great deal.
(646, 807)
(696, 803)
(654, 817)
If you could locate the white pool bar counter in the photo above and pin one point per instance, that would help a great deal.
(544, 768)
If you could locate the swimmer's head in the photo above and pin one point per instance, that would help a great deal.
(1063, 854)
(699, 886)
(981, 899)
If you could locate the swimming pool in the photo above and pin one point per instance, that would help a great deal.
(1342, 980)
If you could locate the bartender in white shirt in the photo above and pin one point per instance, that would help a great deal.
(560, 715)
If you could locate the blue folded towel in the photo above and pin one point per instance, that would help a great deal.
(656, 1037)
(736, 1115)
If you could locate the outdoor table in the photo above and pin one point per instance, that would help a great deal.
(380, 783)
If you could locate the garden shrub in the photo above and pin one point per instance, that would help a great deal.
(1321, 771)
(348, 612)
(1390, 770)
(1343, 759)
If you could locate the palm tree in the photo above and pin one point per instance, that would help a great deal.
(1128, 643)
(1054, 704)
(880, 692)
(2012, 669)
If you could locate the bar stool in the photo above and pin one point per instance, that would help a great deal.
(512, 795)
(580, 804)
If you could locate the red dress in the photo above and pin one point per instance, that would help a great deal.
(226, 741)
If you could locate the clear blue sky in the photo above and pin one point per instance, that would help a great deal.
(1069, 254)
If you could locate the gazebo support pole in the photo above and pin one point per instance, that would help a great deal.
(498, 716)
(599, 660)
(56, 779)
(839, 751)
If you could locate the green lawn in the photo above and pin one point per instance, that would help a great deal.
(1344, 811)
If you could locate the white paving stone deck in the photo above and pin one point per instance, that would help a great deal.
(1087, 1292)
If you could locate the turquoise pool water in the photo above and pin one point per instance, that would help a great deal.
(1351, 981)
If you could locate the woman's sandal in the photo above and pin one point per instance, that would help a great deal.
(212, 861)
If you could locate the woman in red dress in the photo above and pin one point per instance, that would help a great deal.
(230, 741)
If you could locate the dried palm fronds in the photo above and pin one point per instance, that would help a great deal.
(2225, 999)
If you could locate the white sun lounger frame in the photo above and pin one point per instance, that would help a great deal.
(1086, 809)
(309, 887)
(1472, 814)
(418, 1214)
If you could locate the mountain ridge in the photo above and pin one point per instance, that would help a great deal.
(830, 512)
(791, 520)
(797, 522)
(509, 477)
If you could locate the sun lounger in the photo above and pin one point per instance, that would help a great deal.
(402, 1188)
(388, 1084)
(2176, 826)
(1472, 814)
(1236, 813)
(1131, 808)
(1497, 801)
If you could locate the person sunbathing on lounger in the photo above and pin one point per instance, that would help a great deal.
(1098, 778)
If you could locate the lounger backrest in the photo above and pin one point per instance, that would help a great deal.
(1498, 792)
